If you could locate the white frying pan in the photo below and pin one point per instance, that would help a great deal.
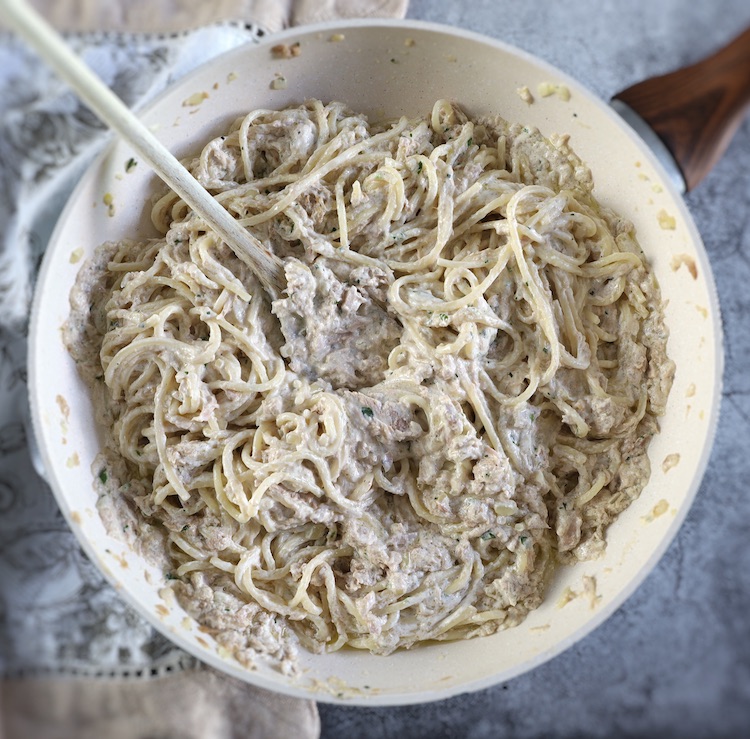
(387, 69)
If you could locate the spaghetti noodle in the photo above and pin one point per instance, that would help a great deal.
(455, 392)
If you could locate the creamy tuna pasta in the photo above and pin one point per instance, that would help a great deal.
(455, 392)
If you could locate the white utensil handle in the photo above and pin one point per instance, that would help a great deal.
(25, 21)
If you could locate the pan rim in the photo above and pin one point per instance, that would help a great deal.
(36, 357)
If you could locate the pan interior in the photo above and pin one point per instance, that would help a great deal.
(387, 69)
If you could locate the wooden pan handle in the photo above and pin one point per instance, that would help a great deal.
(697, 109)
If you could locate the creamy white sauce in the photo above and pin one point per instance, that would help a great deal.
(455, 393)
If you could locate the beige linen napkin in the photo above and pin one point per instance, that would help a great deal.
(194, 702)
(170, 16)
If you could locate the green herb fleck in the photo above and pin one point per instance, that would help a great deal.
(470, 142)
(171, 576)
(130, 164)
(545, 349)
(443, 316)
(419, 166)
(523, 539)
(367, 411)
(487, 535)
(185, 528)
(103, 476)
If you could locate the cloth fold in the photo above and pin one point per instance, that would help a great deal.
(195, 704)
(75, 660)
(174, 16)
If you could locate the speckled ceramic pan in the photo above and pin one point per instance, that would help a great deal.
(387, 68)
